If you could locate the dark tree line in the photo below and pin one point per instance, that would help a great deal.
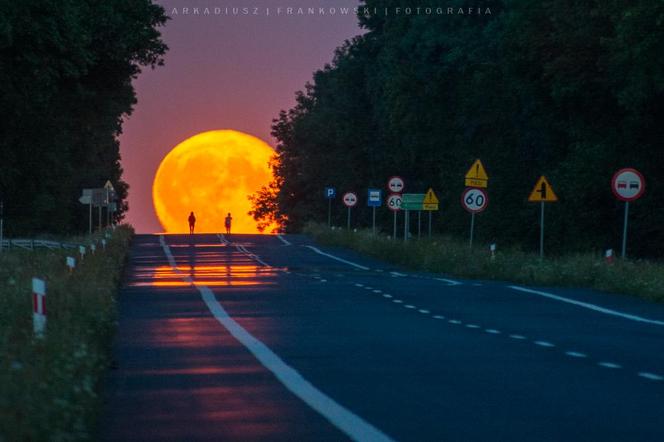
(66, 68)
(570, 89)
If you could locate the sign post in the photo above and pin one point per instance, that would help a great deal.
(628, 185)
(86, 198)
(374, 199)
(330, 193)
(38, 307)
(430, 204)
(2, 225)
(394, 204)
(110, 194)
(542, 193)
(411, 201)
(350, 200)
(474, 201)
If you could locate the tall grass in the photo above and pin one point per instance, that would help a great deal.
(49, 386)
(454, 257)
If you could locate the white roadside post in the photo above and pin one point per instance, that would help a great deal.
(71, 263)
(103, 244)
(39, 306)
(93, 248)
(81, 251)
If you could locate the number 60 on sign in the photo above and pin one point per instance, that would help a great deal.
(474, 200)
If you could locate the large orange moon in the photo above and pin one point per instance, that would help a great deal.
(211, 174)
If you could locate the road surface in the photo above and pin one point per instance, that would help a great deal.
(276, 338)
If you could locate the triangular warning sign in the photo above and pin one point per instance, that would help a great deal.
(476, 175)
(542, 192)
(430, 197)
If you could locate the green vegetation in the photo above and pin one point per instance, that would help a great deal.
(453, 257)
(573, 90)
(50, 386)
(66, 70)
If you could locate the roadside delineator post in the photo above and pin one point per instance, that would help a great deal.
(81, 251)
(93, 248)
(608, 255)
(39, 306)
(103, 244)
(71, 263)
(492, 248)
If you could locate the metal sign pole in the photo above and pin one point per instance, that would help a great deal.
(472, 228)
(373, 221)
(100, 217)
(624, 241)
(90, 218)
(541, 229)
(419, 224)
(430, 211)
(329, 212)
(348, 225)
(2, 225)
(394, 233)
(108, 203)
(405, 226)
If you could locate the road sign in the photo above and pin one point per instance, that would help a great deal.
(474, 200)
(542, 192)
(350, 199)
(109, 186)
(430, 201)
(374, 197)
(85, 199)
(330, 192)
(412, 201)
(476, 175)
(396, 184)
(628, 184)
(394, 202)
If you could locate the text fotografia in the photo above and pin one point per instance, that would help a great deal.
(328, 11)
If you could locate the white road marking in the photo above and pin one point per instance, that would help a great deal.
(544, 344)
(424, 312)
(609, 365)
(387, 296)
(378, 291)
(576, 354)
(517, 337)
(454, 321)
(397, 301)
(398, 274)
(336, 258)
(651, 376)
(472, 326)
(283, 240)
(587, 305)
(409, 306)
(477, 284)
(345, 420)
(323, 280)
(492, 331)
(223, 239)
(450, 282)
(359, 285)
(438, 317)
(366, 287)
(253, 256)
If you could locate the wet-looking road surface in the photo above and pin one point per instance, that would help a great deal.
(275, 338)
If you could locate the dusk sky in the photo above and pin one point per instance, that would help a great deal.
(222, 72)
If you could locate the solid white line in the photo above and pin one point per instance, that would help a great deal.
(253, 256)
(283, 240)
(544, 344)
(450, 282)
(345, 420)
(223, 239)
(587, 305)
(651, 376)
(576, 354)
(358, 266)
(609, 365)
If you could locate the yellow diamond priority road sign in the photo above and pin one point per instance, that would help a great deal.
(430, 201)
(543, 192)
(476, 175)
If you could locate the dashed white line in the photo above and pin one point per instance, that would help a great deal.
(424, 311)
(385, 295)
(576, 354)
(477, 284)
(544, 344)
(492, 331)
(397, 301)
(609, 365)
(651, 376)
(454, 321)
(378, 291)
(283, 240)
(587, 305)
(409, 306)
(520, 337)
(398, 274)
(450, 282)
(366, 287)
(438, 317)
(323, 280)
(350, 263)
(359, 285)
(472, 326)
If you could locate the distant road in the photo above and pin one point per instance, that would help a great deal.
(276, 338)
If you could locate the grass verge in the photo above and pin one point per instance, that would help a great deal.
(49, 387)
(453, 257)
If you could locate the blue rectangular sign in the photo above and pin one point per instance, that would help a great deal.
(374, 197)
(330, 192)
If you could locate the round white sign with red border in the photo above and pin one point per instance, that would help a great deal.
(396, 184)
(628, 184)
(350, 199)
(394, 202)
(474, 200)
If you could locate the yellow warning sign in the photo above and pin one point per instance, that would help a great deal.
(430, 201)
(476, 175)
(543, 192)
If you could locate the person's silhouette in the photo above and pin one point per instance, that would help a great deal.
(192, 223)
(227, 223)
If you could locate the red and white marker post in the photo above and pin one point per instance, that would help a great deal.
(39, 306)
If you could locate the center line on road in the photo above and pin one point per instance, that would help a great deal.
(544, 344)
(397, 301)
(450, 282)
(576, 354)
(350, 263)
(386, 295)
(517, 337)
(651, 376)
(438, 317)
(492, 331)
(472, 326)
(609, 365)
(283, 240)
(587, 305)
(345, 420)
(378, 291)
(454, 321)
(359, 285)
(424, 312)
(409, 306)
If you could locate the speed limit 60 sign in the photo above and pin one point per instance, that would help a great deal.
(474, 200)
(394, 201)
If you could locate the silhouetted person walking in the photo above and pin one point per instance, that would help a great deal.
(227, 223)
(192, 223)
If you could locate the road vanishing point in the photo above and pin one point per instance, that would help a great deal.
(257, 337)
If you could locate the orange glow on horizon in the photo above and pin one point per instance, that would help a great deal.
(211, 174)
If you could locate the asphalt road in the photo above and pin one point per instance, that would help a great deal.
(275, 338)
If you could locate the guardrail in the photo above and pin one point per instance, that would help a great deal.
(32, 244)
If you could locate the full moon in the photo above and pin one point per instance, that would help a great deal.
(211, 174)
